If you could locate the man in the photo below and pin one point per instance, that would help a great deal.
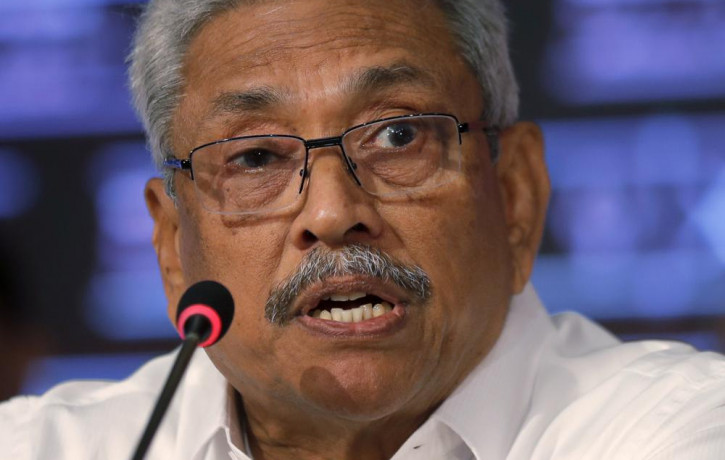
(353, 173)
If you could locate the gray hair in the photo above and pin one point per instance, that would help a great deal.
(167, 27)
(356, 259)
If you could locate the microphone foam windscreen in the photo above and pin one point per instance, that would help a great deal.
(209, 294)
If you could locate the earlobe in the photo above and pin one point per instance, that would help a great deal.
(165, 239)
(524, 183)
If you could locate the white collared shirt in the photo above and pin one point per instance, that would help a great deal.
(552, 388)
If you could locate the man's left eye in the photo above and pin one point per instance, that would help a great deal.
(396, 136)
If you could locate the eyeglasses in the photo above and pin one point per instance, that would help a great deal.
(387, 157)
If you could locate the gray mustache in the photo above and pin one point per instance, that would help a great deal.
(356, 259)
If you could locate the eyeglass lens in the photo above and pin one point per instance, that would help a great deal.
(263, 173)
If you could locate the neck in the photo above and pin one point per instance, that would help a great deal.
(324, 437)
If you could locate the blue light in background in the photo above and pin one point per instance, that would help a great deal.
(18, 184)
(632, 285)
(628, 183)
(710, 216)
(638, 208)
(47, 372)
(58, 77)
(120, 207)
(116, 177)
(666, 150)
(125, 298)
(636, 50)
(34, 24)
(657, 150)
(25, 5)
(128, 305)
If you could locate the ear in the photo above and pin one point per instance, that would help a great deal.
(524, 183)
(166, 240)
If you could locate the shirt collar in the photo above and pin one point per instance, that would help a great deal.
(486, 410)
(204, 400)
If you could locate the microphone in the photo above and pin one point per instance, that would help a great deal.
(204, 315)
(206, 309)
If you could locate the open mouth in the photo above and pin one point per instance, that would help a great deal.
(351, 307)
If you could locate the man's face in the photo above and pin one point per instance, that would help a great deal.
(310, 56)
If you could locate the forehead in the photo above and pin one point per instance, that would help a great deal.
(263, 33)
(266, 41)
(272, 66)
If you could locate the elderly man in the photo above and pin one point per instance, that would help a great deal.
(353, 172)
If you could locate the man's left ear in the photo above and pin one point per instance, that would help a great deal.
(524, 183)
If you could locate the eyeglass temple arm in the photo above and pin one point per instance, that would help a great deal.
(176, 163)
(491, 133)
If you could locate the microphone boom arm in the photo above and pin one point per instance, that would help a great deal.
(188, 347)
(204, 315)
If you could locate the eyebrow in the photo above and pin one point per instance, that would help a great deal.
(370, 80)
(379, 78)
(251, 100)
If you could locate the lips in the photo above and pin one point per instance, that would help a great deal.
(352, 269)
(351, 306)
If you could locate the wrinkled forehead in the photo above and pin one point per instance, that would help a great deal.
(313, 34)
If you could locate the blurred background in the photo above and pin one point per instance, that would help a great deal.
(630, 94)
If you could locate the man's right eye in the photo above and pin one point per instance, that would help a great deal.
(254, 159)
(396, 135)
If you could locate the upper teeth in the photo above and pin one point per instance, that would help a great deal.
(354, 315)
(345, 297)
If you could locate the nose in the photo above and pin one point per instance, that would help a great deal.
(336, 210)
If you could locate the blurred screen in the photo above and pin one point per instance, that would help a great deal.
(63, 68)
(615, 51)
(637, 216)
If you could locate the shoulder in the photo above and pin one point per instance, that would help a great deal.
(583, 351)
(70, 420)
(629, 401)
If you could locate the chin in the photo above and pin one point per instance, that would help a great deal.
(358, 394)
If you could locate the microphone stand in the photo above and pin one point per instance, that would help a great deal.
(188, 346)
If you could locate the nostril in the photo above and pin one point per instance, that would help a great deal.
(308, 237)
(359, 227)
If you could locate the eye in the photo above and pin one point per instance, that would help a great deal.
(396, 135)
(255, 158)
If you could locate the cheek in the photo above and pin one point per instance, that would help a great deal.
(464, 241)
(243, 258)
(235, 256)
(246, 260)
(464, 251)
(245, 358)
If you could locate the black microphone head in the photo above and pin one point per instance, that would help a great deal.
(212, 301)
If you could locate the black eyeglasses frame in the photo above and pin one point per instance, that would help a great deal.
(491, 133)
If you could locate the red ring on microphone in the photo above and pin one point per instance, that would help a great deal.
(210, 314)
